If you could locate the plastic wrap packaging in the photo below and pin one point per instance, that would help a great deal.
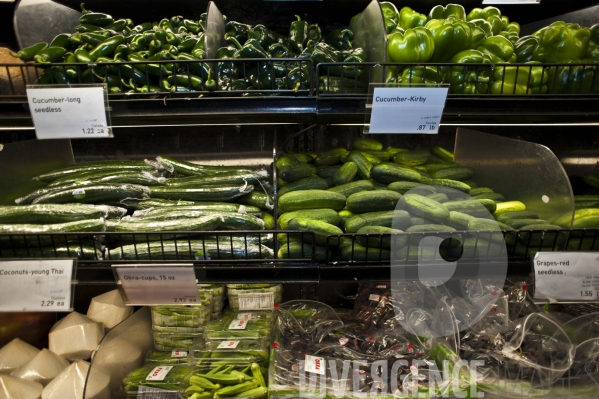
(182, 338)
(309, 319)
(14, 354)
(13, 388)
(75, 337)
(373, 304)
(120, 353)
(176, 356)
(232, 352)
(266, 315)
(71, 382)
(218, 296)
(109, 309)
(42, 368)
(156, 378)
(254, 296)
(181, 316)
(231, 328)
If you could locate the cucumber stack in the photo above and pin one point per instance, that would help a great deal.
(363, 190)
(166, 195)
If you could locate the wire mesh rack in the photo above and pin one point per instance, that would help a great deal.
(350, 79)
(466, 246)
(230, 77)
(213, 247)
(300, 77)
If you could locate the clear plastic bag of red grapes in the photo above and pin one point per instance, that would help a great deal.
(519, 299)
(373, 304)
(309, 320)
(539, 346)
(584, 332)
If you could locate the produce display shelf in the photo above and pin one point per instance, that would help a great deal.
(486, 248)
(571, 96)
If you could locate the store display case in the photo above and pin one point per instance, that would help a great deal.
(527, 131)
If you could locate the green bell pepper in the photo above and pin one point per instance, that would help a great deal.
(519, 80)
(513, 27)
(298, 34)
(498, 48)
(409, 18)
(524, 48)
(238, 30)
(299, 77)
(573, 79)
(561, 42)
(593, 49)
(478, 35)
(466, 81)
(261, 75)
(390, 16)
(340, 39)
(279, 50)
(509, 35)
(250, 49)
(262, 35)
(392, 75)
(314, 32)
(413, 45)
(419, 75)
(451, 10)
(450, 35)
(489, 14)
(471, 57)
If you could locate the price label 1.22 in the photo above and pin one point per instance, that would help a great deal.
(78, 111)
(407, 109)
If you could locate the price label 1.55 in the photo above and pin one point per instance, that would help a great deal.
(77, 111)
(566, 276)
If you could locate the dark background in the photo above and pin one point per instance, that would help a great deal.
(277, 15)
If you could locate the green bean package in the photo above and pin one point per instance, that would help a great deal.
(242, 296)
(232, 352)
(229, 328)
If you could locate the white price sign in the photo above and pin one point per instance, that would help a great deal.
(407, 110)
(75, 112)
(566, 276)
(36, 285)
(256, 301)
(158, 284)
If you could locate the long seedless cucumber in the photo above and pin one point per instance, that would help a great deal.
(49, 213)
(79, 226)
(232, 177)
(94, 194)
(212, 193)
(231, 220)
(190, 169)
(95, 167)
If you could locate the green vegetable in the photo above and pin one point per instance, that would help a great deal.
(89, 167)
(49, 213)
(172, 381)
(311, 199)
(489, 14)
(206, 193)
(450, 36)
(451, 10)
(413, 45)
(408, 19)
(94, 193)
(561, 42)
(320, 229)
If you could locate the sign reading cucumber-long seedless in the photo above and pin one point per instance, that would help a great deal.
(407, 110)
(36, 285)
(69, 112)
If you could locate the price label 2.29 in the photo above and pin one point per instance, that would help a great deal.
(158, 285)
(78, 111)
(36, 285)
(406, 110)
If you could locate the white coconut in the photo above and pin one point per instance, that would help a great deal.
(14, 354)
(71, 382)
(120, 356)
(42, 368)
(18, 388)
(109, 309)
(75, 337)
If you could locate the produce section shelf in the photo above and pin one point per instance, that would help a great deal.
(484, 248)
(569, 96)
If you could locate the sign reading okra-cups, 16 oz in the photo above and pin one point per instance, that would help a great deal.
(407, 110)
(70, 111)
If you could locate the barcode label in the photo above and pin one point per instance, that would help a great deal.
(159, 373)
(178, 353)
(238, 325)
(244, 316)
(156, 393)
(256, 301)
